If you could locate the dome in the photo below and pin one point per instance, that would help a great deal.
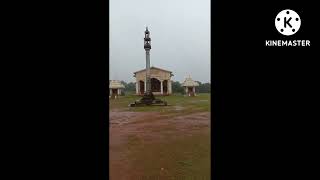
(114, 84)
(188, 82)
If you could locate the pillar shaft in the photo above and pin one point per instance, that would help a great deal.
(137, 87)
(161, 87)
(145, 85)
(148, 81)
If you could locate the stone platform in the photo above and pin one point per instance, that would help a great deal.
(148, 99)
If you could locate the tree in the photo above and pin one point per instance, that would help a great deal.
(203, 88)
(177, 88)
(129, 87)
(124, 83)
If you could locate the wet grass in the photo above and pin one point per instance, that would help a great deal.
(177, 104)
(187, 156)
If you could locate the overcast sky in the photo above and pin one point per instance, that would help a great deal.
(180, 37)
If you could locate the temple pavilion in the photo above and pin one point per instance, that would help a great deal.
(115, 87)
(190, 86)
(160, 81)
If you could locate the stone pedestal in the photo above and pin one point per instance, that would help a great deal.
(148, 99)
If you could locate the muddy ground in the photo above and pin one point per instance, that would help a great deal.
(151, 145)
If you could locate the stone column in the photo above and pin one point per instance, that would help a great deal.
(137, 87)
(110, 91)
(161, 87)
(169, 87)
(145, 86)
(118, 92)
(194, 90)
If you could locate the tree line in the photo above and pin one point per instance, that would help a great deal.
(176, 87)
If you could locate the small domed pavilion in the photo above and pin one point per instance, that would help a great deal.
(190, 86)
(115, 87)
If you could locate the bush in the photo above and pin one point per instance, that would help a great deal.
(177, 88)
(129, 87)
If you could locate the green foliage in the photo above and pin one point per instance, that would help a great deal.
(203, 88)
(177, 88)
(129, 87)
(124, 83)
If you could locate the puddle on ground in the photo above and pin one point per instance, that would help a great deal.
(178, 108)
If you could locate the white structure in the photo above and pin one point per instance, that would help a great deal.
(190, 86)
(115, 88)
(160, 81)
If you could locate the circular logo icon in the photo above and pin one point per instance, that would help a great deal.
(288, 22)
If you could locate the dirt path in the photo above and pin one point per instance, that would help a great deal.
(148, 127)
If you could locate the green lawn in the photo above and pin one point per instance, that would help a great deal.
(176, 103)
(187, 157)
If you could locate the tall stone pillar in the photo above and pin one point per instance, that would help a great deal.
(110, 92)
(169, 86)
(148, 98)
(161, 87)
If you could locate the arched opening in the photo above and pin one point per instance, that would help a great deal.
(190, 91)
(141, 87)
(114, 91)
(165, 87)
(155, 85)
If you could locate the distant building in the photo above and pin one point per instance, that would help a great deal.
(160, 81)
(115, 88)
(190, 86)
